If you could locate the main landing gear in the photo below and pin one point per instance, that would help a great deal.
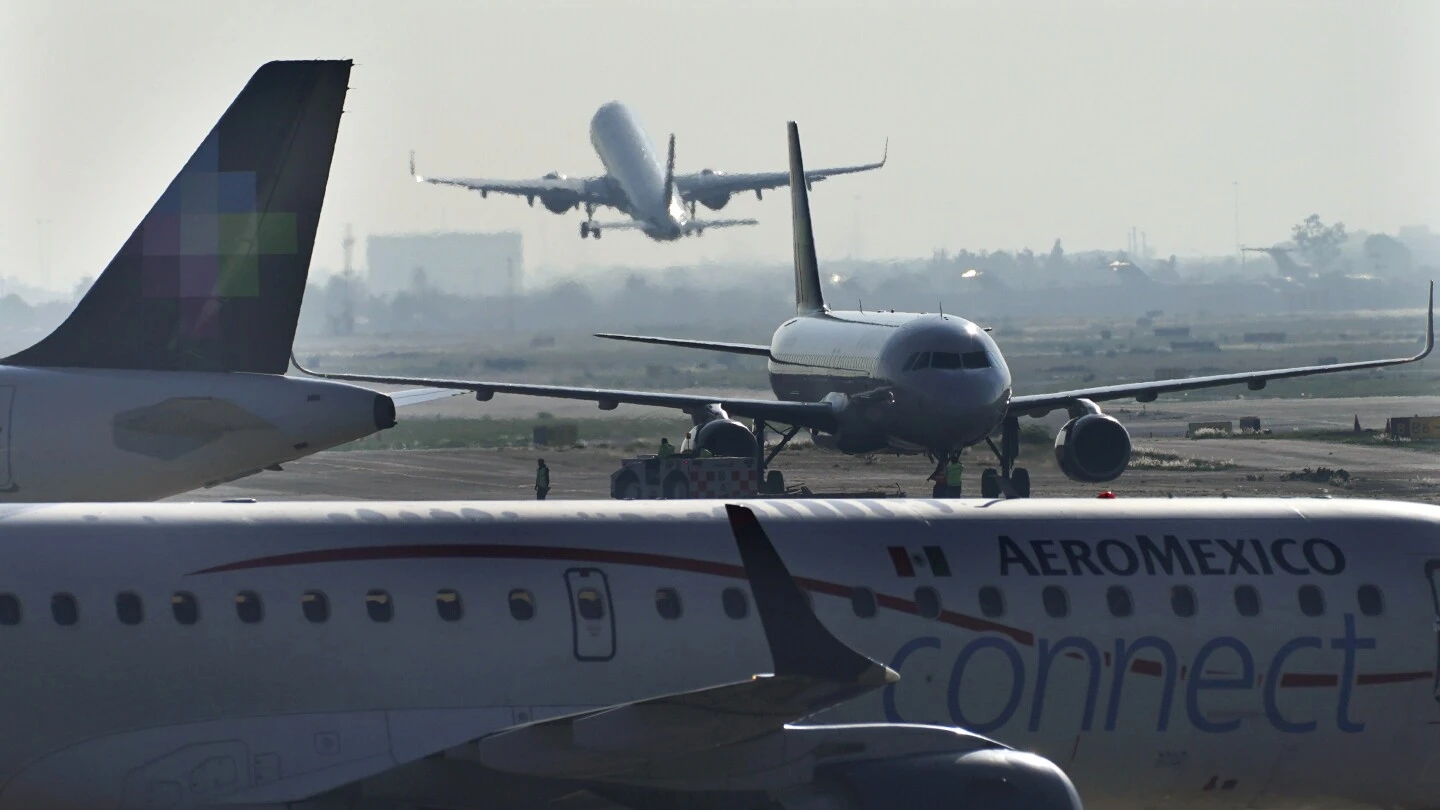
(1009, 480)
(588, 227)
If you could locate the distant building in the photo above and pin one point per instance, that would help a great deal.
(469, 264)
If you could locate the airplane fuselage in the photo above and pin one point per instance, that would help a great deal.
(956, 398)
(632, 162)
(263, 653)
(69, 434)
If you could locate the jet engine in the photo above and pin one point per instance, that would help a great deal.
(717, 198)
(724, 437)
(1092, 448)
(994, 779)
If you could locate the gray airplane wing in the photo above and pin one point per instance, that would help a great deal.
(817, 415)
(595, 190)
(709, 345)
(1041, 404)
(692, 186)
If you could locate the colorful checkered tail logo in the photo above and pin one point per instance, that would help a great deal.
(213, 277)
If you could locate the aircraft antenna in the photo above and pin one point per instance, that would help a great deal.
(861, 302)
(942, 309)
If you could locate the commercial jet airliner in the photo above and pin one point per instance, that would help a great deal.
(924, 655)
(863, 382)
(169, 374)
(660, 203)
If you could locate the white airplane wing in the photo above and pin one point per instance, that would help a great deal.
(817, 415)
(692, 186)
(702, 225)
(1041, 404)
(415, 396)
(596, 190)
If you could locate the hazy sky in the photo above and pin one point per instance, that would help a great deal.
(1010, 123)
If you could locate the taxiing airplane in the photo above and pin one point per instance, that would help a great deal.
(863, 382)
(169, 374)
(1264, 653)
(660, 203)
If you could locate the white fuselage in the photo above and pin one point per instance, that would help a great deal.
(631, 160)
(70, 434)
(254, 701)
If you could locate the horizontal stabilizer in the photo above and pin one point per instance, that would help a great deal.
(708, 345)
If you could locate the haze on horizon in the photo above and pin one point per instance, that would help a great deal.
(1010, 124)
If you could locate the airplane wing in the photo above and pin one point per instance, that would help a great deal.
(709, 345)
(1041, 404)
(415, 396)
(820, 416)
(702, 225)
(594, 190)
(692, 186)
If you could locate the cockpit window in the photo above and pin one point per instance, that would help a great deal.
(978, 359)
(945, 360)
(917, 361)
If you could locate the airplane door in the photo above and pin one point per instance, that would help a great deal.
(1432, 573)
(7, 398)
(591, 614)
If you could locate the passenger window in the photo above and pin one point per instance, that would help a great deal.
(315, 606)
(978, 359)
(945, 360)
(522, 605)
(927, 599)
(735, 604)
(65, 609)
(862, 601)
(447, 604)
(667, 603)
(1312, 600)
(1057, 603)
(379, 605)
(590, 604)
(1182, 601)
(992, 602)
(1372, 602)
(9, 609)
(128, 608)
(1247, 600)
(1118, 598)
(248, 607)
(184, 607)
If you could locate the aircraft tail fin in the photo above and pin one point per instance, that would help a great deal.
(669, 174)
(808, 296)
(213, 277)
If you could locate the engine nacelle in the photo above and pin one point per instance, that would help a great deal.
(723, 437)
(996, 779)
(1092, 448)
(558, 202)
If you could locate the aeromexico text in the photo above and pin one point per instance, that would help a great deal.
(1171, 555)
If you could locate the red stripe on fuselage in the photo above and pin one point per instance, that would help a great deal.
(599, 557)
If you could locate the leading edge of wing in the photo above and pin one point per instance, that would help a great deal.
(708, 345)
(692, 184)
(816, 415)
(1040, 404)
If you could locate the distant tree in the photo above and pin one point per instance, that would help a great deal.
(1387, 256)
(81, 287)
(1055, 262)
(1317, 242)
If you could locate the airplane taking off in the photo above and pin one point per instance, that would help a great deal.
(659, 202)
(863, 382)
(169, 374)
(1215, 654)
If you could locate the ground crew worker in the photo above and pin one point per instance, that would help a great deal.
(954, 472)
(666, 449)
(542, 480)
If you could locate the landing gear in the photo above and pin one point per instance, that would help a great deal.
(1009, 481)
(588, 227)
(773, 482)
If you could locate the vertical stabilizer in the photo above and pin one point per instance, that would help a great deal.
(808, 298)
(213, 277)
(669, 176)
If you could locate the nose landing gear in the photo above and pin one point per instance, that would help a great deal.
(1009, 480)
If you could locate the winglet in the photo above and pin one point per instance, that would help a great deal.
(1429, 325)
(414, 173)
(799, 643)
(808, 296)
(884, 156)
(669, 174)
